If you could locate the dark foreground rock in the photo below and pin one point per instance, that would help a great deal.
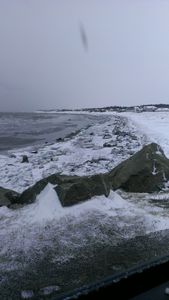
(8, 197)
(82, 188)
(70, 189)
(146, 171)
(25, 159)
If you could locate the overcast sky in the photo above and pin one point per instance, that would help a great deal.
(83, 53)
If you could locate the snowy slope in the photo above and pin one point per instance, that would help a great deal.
(46, 224)
(155, 125)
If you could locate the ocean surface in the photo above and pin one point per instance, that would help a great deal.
(26, 129)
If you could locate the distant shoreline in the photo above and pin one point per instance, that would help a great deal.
(39, 129)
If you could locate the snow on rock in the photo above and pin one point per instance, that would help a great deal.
(145, 171)
(46, 207)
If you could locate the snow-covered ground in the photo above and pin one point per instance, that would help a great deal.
(28, 233)
(155, 125)
(46, 231)
(96, 149)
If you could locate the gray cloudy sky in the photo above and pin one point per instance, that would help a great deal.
(45, 61)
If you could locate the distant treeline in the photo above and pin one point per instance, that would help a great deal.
(138, 108)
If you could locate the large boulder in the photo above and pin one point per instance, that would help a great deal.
(25, 159)
(8, 197)
(70, 189)
(146, 171)
(30, 194)
(82, 188)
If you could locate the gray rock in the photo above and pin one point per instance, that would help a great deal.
(107, 136)
(107, 145)
(12, 155)
(146, 171)
(59, 140)
(25, 159)
(134, 137)
(8, 197)
(30, 194)
(82, 188)
(70, 189)
(111, 143)
(120, 133)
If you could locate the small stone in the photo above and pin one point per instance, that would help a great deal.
(134, 137)
(12, 156)
(25, 159)
(130, 152)
(107, 145)
(34, 152)
(107, 136)
(59, 140)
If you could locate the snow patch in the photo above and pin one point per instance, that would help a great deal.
(27, 294)
(46, 207)
(49, 290)
(154, 125)
(154, 172)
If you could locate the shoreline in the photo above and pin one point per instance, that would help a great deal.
(85, 151)
(64, 129)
